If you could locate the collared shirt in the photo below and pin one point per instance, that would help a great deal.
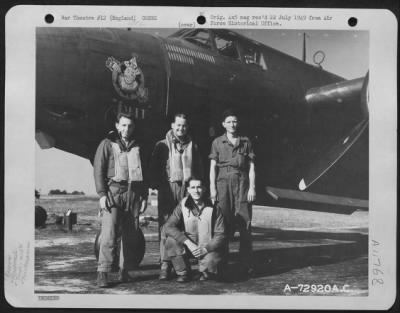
(236, 155)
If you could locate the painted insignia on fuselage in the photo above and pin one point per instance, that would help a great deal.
(128, 79)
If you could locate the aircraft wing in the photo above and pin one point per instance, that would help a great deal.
(315, 202)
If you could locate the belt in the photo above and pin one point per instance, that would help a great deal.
(122, 182)
(229, 169)
(176, 182)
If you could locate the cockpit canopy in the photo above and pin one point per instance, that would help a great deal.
(227, 44)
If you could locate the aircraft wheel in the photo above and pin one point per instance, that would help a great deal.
(40, 216)
(138, 246)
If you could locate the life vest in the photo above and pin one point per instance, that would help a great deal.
(198, 228)
(127, 164)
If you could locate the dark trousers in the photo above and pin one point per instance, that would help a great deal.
(232, 189)
(245, 239)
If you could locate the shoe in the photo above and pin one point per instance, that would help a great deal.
(163, 275)
(204, 276)
(102, 280)
(124, 277)
(250, 272)
(165, 271)
(183, 278)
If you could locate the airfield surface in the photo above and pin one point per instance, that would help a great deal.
(292, 248)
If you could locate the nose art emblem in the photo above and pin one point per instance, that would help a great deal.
(128, 78)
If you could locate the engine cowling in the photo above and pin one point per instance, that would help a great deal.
(352, 92)
(338, 92)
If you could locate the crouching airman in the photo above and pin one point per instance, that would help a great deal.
(196, 229)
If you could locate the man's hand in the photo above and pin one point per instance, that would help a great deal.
(143, 205)
(104, 205)
(103, 202)
(213, 193)
(251, 195)
(194, 249)
(203, 251)
(199, 252)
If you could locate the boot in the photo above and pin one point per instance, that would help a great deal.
(204, 276)
(183, 278)
(165, 272)
(207, 276)
(102, 280)
(123, 276)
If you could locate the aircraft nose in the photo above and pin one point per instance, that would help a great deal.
(61, 65)
(72, 72)
(72, 76)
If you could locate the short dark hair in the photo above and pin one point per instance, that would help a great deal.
(194, 178)
(124, 114)
(229, 112)
(181, 115)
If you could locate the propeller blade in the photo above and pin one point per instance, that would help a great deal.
(333, 155)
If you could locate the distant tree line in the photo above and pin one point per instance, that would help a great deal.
(64, 192)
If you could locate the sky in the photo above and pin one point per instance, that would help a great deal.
(346, 54)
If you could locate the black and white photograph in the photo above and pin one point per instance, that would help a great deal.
(231, 155)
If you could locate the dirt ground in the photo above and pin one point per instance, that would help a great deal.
(316, 253)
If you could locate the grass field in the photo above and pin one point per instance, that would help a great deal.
(270, 217)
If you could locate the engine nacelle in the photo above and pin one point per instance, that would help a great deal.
(353, 92)
(337, 92)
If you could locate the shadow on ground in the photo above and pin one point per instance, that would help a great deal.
(280, 257)
(278, 251)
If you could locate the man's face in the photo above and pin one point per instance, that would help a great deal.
(125, 127)
(195, 189)
(231, 124)
(179, 127)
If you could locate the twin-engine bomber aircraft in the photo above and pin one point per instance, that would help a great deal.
(310, 126)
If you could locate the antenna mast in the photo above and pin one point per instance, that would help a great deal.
(304, 47)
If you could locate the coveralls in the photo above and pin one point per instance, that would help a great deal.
(232, 184)
(124, 193)
(204, 227)
(170, 193)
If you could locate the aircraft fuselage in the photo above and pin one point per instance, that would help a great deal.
(84, 75)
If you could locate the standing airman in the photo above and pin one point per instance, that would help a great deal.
(123, 192)
(232, 183)
(175, 159)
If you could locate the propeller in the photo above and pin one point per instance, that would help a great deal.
(334, 154)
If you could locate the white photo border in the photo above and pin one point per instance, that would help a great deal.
(21, 23)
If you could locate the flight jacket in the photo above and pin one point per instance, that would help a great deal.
(175, 226)
(103, 165)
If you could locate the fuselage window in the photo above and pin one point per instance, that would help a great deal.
(200, 38)
(262, 62)
(226, 47)
(253, 56)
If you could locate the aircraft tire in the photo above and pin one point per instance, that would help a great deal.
(40, 216)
